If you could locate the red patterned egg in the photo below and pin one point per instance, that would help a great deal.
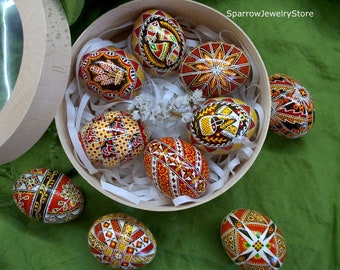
(158, 42)
(47, 195)
(111, 74)
(176, 167)
(292, 112)
(121, 242)
(252, 240)
(218, 127)
(215, 68)
(113, 138)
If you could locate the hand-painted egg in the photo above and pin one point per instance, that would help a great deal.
(47, 195)
(221, 125)
(215, 68)
(292, 112)
(113, 138)
(121, 242)
(158, 42)
(111, 74)
(252, 240)
(176, 167)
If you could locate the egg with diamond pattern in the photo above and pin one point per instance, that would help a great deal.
(48, 195)
(252, 240)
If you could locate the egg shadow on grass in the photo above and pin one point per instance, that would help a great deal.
(279, 144)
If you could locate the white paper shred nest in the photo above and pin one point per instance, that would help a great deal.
(159, 104)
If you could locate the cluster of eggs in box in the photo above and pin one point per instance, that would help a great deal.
(176, 166)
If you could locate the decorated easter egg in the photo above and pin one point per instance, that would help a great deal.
(176, 167)
(121, 242)
(47, 195)
(215, 68)
(292, 111)
(113, 138)
(252, 240)
(222, 125)
(158, 42)
(111, 74)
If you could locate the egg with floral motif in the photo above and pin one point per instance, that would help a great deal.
(176, 167)
(292, 110)
(111, 74)
(47, 195)
(158, 42)
(121, 241)
(113, 138)
(222, 125)
(252, 240)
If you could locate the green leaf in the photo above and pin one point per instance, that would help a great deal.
(72, 9)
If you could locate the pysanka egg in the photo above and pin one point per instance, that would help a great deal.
(113, 138)
(121, 242)
(47, 195)
(158, 42)
(215, 68)
(292, 111)
(176, 167)
(219, 127)
(111, 74)
(252, 240)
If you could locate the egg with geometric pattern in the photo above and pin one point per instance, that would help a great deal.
(176, 167)
(48, 196)
(113, 138)
(222, 125)
(252, 240)
(121, 241)
(292, 110)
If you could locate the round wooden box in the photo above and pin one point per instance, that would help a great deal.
(192, 11)
(43, 73)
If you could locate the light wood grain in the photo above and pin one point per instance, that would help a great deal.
(42, 78)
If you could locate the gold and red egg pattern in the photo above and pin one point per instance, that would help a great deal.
(111, 74)
(121, 241)
(217, 126)
(216, 68)
(252, 240)
(113, 138)
(176, 167)
(293, 110)
(158, 42)
(48, 196)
